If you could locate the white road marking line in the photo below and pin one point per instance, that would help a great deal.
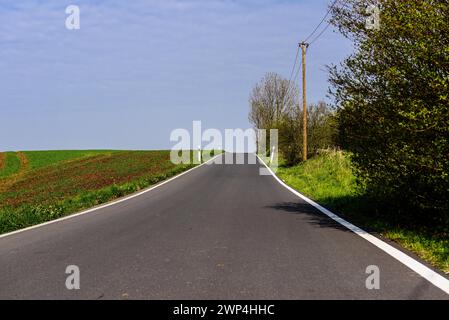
(109, 203)
(425, 272)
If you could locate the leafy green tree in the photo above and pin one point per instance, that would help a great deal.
(393, 99)
(322, 132)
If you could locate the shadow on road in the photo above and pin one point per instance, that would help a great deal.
(312, 215)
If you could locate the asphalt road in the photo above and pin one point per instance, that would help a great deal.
(218, 232)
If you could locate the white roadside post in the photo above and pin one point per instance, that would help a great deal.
(272, 155)
(199, 154)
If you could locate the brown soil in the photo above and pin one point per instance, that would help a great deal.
(2, 160)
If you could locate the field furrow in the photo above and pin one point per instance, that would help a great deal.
(2, 160)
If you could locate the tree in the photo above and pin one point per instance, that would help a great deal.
(270, 100)
(322, 132)
(322, 127)
(393, 99)
(274, 104)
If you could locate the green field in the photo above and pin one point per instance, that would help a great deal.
(328, 179)
(38, 186)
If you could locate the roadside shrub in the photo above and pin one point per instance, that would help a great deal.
(322, 132)
(393, 99)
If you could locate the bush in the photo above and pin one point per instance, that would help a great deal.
(322, 132)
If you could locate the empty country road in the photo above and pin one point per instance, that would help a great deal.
(217, 232)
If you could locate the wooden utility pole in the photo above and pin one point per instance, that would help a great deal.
(304, 47)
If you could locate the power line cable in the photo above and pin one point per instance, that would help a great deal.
(291, 75)
(294, 66)
(342, 2)
(297, 73)
(313, 41)
(320, 34)
(322, 20)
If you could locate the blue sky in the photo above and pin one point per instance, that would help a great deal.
(138, 69)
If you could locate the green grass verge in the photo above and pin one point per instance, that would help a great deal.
(328, 180)
(12, 165)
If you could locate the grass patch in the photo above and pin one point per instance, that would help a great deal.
(11, 165)
(66, 182)
(325, 177)
(328, 179)
(40, 159)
